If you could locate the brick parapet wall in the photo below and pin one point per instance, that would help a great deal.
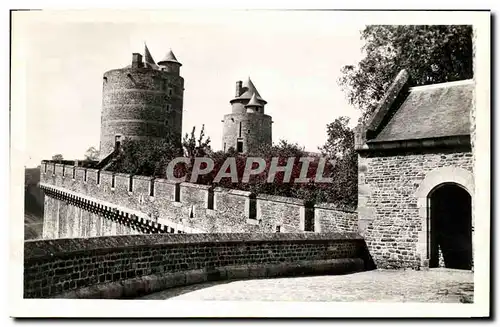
(196, 207)
(53, 268)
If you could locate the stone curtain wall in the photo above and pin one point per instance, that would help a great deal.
(181, 207)
(331, 219)
(388, 206)
(129, 266)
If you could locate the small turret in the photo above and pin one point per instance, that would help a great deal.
(253, 105)
(170, 63)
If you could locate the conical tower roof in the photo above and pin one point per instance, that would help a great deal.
(253, 102)
(169, 57)
(249, 90)
(148, 58)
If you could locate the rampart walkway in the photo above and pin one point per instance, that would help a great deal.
(435, 285)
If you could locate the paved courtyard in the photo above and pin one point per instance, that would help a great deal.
(435, 285)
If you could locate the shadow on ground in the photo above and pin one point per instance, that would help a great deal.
(177, 291)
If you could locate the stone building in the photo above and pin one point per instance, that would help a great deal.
(416, 186)
(142, 100)
(247, 126)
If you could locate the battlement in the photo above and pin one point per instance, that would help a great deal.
(193, 207)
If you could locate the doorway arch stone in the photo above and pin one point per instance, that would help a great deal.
(436, 177)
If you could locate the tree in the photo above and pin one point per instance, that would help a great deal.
(196, 147)
(340, 140)
(339, 147)
(57, 157)
(145, 157)
(92, 154)
(431, 54)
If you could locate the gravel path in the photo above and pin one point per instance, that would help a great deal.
(435, 285)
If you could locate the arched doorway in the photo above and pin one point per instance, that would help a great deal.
(450, 226)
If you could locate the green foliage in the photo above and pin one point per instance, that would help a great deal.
(196, 147)
(150, 158)
(431, 54)
(339, 147)
(145, 157)
(340, 139)
(92, 154)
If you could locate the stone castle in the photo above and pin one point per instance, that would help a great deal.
(145, 101)
(416, 186)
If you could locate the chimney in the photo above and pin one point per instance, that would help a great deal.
(238, 88)
(136, 60)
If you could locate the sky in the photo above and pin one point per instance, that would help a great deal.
(294, 60)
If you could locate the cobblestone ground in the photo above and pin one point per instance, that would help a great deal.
(435, 285)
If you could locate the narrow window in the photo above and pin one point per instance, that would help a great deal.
(74, 171)
(309, 220)
(239, 146)
(172, 230)
(117, 142)
(240, 131)
(191, 213)
(210, 204)
(64, 170)
(177, 193)
(45, 166)
(168, 107)
(170, 92)
(152, 187)
(224, 146)
(278, 229)
(252, 210)
(130, 184)
(113, 181)
(85, 175)
(166, 122)
(98, 177)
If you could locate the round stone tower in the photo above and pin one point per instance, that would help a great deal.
(247, 126)
(142, 101)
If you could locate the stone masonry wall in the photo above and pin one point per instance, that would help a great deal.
(331, 219)
(387, 206)
(256, 129)
(277, 211)
(54, 267)
(183, 207)
(140, 103)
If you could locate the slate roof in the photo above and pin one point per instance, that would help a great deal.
(253, 102)
(148, 58)
(169, 57)
(431, 111)
(249, 90)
